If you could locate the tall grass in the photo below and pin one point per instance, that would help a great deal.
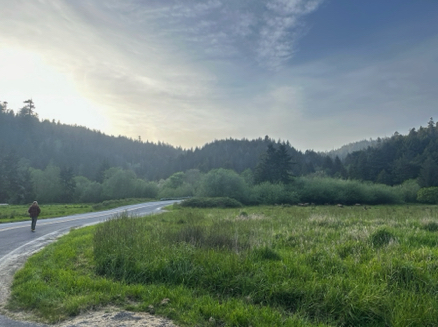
(264, 266)
(294, 265)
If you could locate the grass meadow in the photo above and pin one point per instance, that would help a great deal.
(252, 266)
(14, 213)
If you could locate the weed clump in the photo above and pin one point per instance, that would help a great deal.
(407, 276)
(431, 226)
(381, 238)
(267, 253)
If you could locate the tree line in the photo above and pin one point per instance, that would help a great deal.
(59, 163)
(399, 158)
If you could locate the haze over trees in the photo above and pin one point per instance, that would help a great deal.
(58, 163)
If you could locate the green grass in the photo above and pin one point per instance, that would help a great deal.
(254, 266)
(15, 213)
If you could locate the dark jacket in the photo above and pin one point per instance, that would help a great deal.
(34, 210)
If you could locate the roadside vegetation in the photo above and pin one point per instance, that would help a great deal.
(15, 213)
(249, 266)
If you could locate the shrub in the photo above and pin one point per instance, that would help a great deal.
(268, 193)
(323, 190)
(211, 203)
(184, 190)
(146, 189)
(224, 183)
(316, 190)
(382, 194)
(428, 195)
(119, 183)
(179, 185)
(381, 238)
(409, 190)
(92, 193)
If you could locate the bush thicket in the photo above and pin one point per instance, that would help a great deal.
(268, 193)
(428, 195)
(222, 202)
(118, 183)
(322, 190)
(224, 183)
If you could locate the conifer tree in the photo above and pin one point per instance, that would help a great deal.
(68, 184)
(428, 173)
(284, 165)
(274, 166)
(29, 109)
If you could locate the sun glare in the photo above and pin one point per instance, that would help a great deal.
(27, 75)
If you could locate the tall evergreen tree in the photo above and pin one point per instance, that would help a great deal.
(10, 178)
(328, 166)
(274, 166)
(3, 188)
(100, 175)
(68, 185)
(428, 173)
(29, 109)
(3, 107)
(283, 165)
(384, 178)
(339, 169)
(431, 126)
(27, 194)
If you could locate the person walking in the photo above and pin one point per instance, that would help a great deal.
(34, 210)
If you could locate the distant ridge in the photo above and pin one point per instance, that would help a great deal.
(346, 149)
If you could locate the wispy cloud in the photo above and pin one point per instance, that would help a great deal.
(262, 32)
(281, 30)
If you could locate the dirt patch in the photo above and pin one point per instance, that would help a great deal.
(113, 317)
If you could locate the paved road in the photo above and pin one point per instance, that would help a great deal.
(17, 242)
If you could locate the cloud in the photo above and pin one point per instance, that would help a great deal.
(281, 30)
(262, 32)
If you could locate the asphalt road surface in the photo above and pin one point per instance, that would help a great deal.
(17, 242)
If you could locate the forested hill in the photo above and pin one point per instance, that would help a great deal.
(346, 149)
(243, 154)
(26, 142)
(399, 158)
(37, 144)
(34, 143)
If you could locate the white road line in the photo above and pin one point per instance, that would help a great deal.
(27, 245)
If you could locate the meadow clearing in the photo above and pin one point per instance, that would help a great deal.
(15, 213)
(251, 266)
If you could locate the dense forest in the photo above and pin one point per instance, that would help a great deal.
(54, 162)
(399, 158)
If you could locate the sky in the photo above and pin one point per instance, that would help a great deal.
(317, 73)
